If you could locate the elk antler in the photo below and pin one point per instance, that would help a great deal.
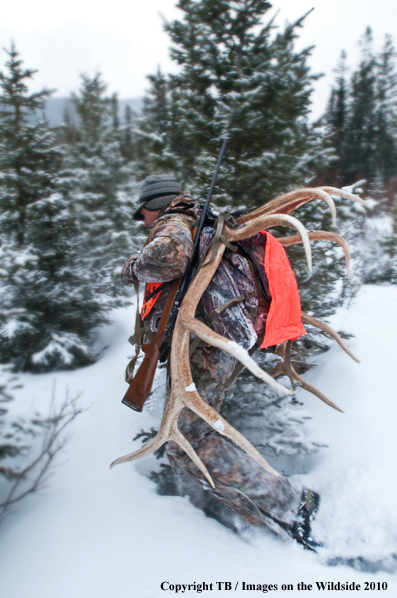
(320, 235)
(291, 201)
(282, 369)
(184, 392)
(321, 326)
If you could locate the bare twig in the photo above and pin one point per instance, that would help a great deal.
(33, 477)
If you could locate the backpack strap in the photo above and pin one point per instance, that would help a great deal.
(227, 304)
(288, 365)
(238, 369)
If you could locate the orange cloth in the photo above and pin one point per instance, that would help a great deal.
(284, 319)
(150, 297)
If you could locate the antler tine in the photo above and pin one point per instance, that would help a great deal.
(291, 201)
(170, 416)
(305, 385)
(189, 450)
(295, 204)
(321, 326)
(212, 417)
(314, 391)
(216, 340)
(344, 195)
(263, 222)
(168, 431)
(320, 236)
(145, 451)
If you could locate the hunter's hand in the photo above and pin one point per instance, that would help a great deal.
(127, 273)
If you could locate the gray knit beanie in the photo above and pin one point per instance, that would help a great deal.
(157, 191)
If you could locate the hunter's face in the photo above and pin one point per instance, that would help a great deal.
(150, 216)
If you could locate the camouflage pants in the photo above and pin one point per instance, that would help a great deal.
(241, 484)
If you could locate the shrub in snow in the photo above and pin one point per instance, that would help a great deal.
(29, 446)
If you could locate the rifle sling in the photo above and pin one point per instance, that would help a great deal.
(167, 308)
(137, 338)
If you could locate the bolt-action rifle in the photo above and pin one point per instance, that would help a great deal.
(142, 382)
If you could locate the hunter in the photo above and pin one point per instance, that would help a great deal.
(241, 484)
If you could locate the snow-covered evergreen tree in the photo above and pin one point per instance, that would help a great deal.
(99, 186)
(236, 77)
(361, 118)
(386, 116)
(336, 116)
(361, 135)
(41, 321)
(128, 149)
(151, 140)
(366, 143)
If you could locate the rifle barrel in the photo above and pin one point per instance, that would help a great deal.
(210, 192)
(190, 271)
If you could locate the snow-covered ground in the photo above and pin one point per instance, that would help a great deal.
(101, 533)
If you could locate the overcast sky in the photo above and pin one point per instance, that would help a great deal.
(124, 39)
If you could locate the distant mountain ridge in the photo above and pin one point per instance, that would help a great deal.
(56, 107)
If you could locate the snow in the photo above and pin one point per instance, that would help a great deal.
(219, 425)
(102, 533)
(239, 351)
(191, 387)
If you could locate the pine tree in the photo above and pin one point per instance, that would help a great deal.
(128, 149)
(99, 185)
(236, 77)
(361, 118)
(39, 329)
(361, 137)
(152, 152)
(155, 107)
(386, 115)
(336, 116)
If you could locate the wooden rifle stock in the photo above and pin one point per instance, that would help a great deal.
(141, 384)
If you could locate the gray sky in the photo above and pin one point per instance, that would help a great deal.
(124, 39)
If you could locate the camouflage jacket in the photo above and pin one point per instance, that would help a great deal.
(166, 254)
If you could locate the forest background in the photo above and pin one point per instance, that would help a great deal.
(67, 192)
